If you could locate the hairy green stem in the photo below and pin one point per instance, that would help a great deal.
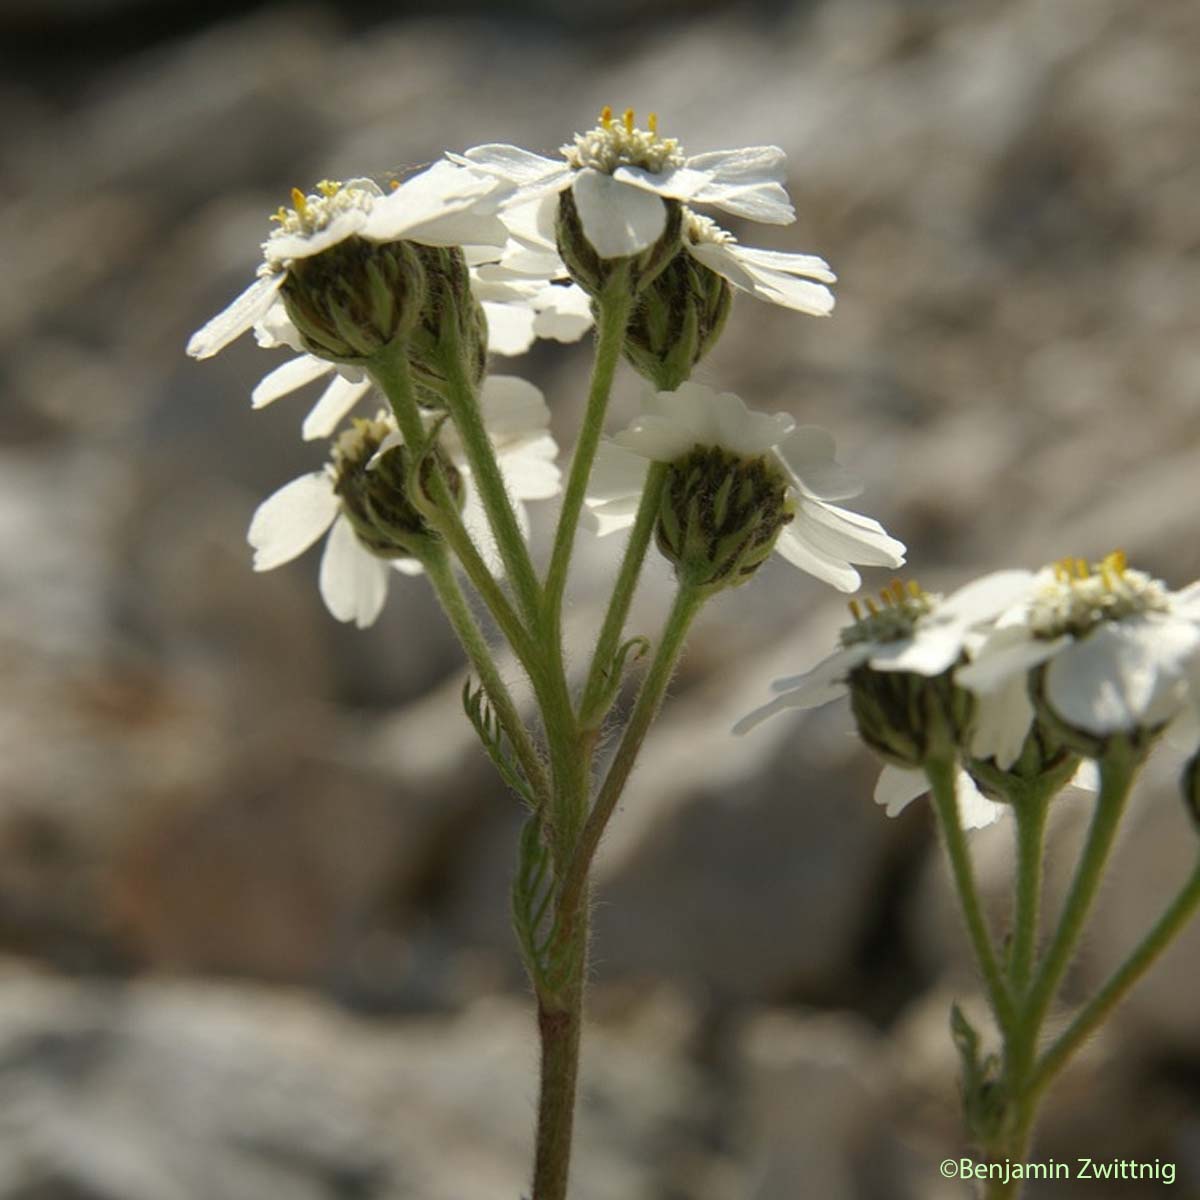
(941, 773)
(1168, 926)
(688, 601)
(441, 576)
(393, 377)
(598, 683)
(614, 306)
(1117, 771)
(1030, 808)
(463, 403)
(559, 1029)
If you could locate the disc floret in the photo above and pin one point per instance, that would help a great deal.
(901, 606)
(1076, 596)
(612, 144)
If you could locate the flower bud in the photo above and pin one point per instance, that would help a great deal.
(373, 488)
(448, 299)
(678, 318)
(908, 718)
(354, 298)
(720, 515)
(592, 272)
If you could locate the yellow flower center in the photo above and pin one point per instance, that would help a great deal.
(312, 213)
(901, 605)
(1075, 596)
(614, 144)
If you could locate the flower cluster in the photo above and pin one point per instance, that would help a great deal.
(1018, 671)
(484, 252)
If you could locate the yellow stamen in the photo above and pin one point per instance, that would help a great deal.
(914, 589)
(652, 123)
(329, 187)
(872, 607)
(606, 116)
(393, 184)
(885, 597)
(897, 589)
(1117, 562)
(855, 610)
(1106, 576)
(1082, 570)
(299, 202)
(280, 214)
(628, 119)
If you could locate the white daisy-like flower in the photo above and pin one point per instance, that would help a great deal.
(795, 281)
(353, 581)
(821, 538)
(446, 205)
(1116, 645)
(911, 632)
(620, 176)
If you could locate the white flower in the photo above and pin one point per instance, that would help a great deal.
(620, 175)
(353, 581)
(1116, 645)
(445, 205)
(772, 275)
(912, 632)
(821, 538)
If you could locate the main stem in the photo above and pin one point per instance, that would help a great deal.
(1030, 809)
(560, 1022)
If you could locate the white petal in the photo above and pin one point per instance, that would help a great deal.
(231, 322)
(1124, 675)
(275, 329)
(932, 651)
(531, 223)
(1087, 777)
(823, 684)
(512, 406)
(748, 182)
(617, 220)
(444, 205)
(564, 313)
(604, 519)
(288, 522)
(833, 571)
(353, 581)
(812, 266)
(745, 431)
(1007, 653)
(407, 566)
(808, 452)
(774, 286)
(617, 474)
(517, 166)
(510, 327)
(334, 403)
(986, 597)
(1002, 720)
(975, 810)
(293, 374)
(529, 468)
(845, 534)
(896, 788)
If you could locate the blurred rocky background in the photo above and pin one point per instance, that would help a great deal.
(253, 869)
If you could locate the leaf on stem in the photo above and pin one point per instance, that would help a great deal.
(491, 734)
(611, 678)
